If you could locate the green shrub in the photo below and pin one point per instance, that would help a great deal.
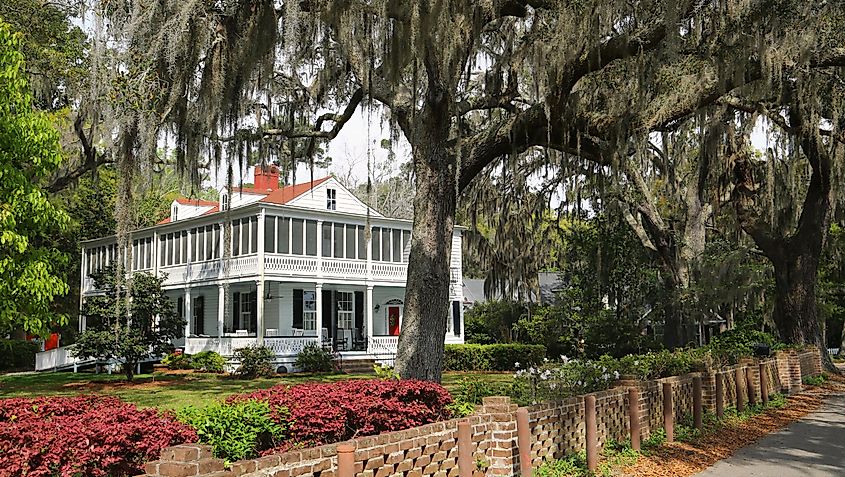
(238, 430)
(661, 364)
(208, 362)
(314, 359)
(385, 372)
(177, 361)
(815, 380)
(491, 357)
(729, 346)
(256, 362)
(460, 408)
(573, 465)
(17, 355)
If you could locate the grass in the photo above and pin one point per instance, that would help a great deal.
(175, 391)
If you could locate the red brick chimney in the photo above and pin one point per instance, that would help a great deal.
(266, 178)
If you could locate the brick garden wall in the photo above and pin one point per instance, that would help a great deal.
(556, 428)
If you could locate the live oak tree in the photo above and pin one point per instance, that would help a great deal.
(128, 323)
(470, 84)
(29, 152)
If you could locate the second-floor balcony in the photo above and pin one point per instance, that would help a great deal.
(278, 265)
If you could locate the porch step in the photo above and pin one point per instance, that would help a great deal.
(356, 365)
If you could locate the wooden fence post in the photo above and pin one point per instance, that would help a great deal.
(720, 395)
(591, 432)
(523, 435)
(739, 377)
(764, 385)
(696, 403)
(465, 463)
(634, 417)
(345, 460)
(668, 412)
(749, 384)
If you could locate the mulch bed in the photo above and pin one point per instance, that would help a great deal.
(681, 459)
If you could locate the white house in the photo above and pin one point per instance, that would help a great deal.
(302, 270)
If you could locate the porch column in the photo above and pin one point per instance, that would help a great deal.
(221, 314)
(259, 292)
(259, 298)
(319, 254)
(186, 312)
(368, 310)
(319, 299)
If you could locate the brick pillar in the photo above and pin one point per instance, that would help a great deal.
(708, 389)
(795, 381)
(782, 365)
(186, 460)
(502, 453)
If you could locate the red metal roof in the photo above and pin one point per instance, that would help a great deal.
(196, 202)
(288, 193)
(278, 196)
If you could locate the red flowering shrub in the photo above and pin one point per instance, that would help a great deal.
(320, 413)
(83, 436)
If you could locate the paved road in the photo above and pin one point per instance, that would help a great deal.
(811, 447)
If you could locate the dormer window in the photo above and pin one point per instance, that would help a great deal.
(174, 213)
(224, 202)
(331, 199)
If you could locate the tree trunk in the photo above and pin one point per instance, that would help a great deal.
(795, 311)
(420, 352)
(842, 343)
(129, 370)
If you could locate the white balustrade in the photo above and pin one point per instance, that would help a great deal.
(384, 344)
(194, 345)
(175, 274)
(243, 266)
(390, 271)
(230, 344)
(290, 264)
(205, 270)
(344, 268)
(288, 345)
(55, 358)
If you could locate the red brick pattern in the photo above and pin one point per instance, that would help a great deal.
(557, 429)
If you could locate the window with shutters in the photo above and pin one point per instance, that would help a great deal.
(345, 310)
(246, 310)
(309, 310)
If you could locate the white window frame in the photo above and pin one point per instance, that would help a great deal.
(331, 199)
(309, 310)
(245, 312)
(345, 310)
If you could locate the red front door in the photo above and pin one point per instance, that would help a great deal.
(393, 320)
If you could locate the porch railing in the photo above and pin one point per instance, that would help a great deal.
(384, 344)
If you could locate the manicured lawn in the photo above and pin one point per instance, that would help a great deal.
(174, 391)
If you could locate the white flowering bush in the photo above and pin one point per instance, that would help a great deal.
(568, 377)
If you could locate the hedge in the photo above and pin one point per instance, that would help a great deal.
(491, 357)
(17, 355)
